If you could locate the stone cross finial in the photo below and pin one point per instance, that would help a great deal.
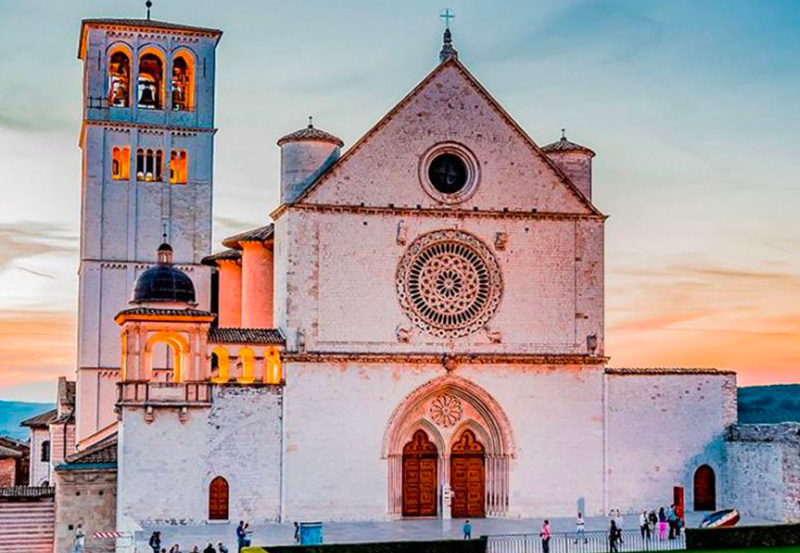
(447, 14)
(447, 51)
(310, 121)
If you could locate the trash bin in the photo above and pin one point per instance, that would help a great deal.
(310, 533)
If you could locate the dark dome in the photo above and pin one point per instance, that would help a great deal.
(164, 282)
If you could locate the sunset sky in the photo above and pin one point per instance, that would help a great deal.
(692, 107)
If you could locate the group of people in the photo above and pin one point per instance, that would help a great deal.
(667, 523)
(243, 539)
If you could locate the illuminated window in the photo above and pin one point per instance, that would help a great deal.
(120, 163)
(182, 83)
(151, 81)
(119, 70)
(177, 167)
(149, 164)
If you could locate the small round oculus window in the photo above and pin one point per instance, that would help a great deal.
(448, 173)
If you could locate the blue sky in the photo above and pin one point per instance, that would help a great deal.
(693, 108)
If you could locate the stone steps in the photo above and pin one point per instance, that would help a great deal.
(27, 526)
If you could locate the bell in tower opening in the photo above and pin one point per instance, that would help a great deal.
(118, 80)
(150, 81)
(181, 84)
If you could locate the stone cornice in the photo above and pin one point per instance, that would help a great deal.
(438, 213)
(448, 360)
(127, 125)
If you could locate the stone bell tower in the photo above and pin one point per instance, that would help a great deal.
(147, 139)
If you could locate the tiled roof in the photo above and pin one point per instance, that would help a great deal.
(666, 370)
(260, 234)
(225, 254)
(151, 24)
(311, 133)
(246, 336)
(166, 312)
(104, 451)
(565, 145)
(7, 452)
(41, 420)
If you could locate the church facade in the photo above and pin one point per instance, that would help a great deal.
(418, 332)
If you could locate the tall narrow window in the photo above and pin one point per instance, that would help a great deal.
(151, 81)
(182, 83)
(149, 164)
(120, 163)
(46, 451)
(119, 70)
(177, 167)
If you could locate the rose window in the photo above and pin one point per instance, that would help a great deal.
(446, 410)
(449, 283)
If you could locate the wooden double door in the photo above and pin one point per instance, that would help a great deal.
(467, 477)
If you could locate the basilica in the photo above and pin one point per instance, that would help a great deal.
(417, 331)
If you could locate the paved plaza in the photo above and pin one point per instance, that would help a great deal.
(398, 530)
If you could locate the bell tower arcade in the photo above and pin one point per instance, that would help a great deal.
(147, 139)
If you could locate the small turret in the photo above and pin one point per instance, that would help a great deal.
(305, 154)
(574, 160)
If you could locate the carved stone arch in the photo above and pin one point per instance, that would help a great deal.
(502, 438)
(481, 414)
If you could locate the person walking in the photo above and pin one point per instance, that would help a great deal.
(155, 541)
(209, 548)
(79, 543)
(671, 521)
(296, 532)
(467, 530)
(240, 536)
(545, 535)
(614, 537)
(580, 528)
(662, 524)
(221, 548)
(644, 525)
(248, 535)
(653, 521)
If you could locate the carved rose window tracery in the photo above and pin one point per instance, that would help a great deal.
(449, 283)
(446, 410)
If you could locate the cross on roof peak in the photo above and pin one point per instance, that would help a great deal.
(447, 14)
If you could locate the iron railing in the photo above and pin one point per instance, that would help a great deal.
(28, 491)
(588, 542)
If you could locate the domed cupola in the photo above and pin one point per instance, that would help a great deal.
(574, 160)
(305, 154)
(164, 283)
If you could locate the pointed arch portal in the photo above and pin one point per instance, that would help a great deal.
(420, 484)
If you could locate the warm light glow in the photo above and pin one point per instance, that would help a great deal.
(247, 360)
(150, 88)
(224, 365)
(177, 167)
(273, 373)
(180, 349)
(120, 163)
(183, 82)
(119, 73)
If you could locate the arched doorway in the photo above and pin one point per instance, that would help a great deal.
(468, 477)
(419, 476)
(218, 499)
(705, 489)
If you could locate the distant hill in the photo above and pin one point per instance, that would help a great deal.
(14, 412)
(766, 404)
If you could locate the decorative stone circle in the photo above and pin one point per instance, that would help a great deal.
(449, 283)
(446, 410)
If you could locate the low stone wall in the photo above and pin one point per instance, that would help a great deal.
(439, 546)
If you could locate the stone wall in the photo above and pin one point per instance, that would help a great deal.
(8, 472)
(663, 425)
(39, 470)
(166, 465)
(86, 497)
(763, 468)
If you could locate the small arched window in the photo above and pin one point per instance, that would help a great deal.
(177, 167)
(120, 163)
(119, 71)
(218, 499)
(149, 164)
(45, 451)
(151, 82)
(182, 83)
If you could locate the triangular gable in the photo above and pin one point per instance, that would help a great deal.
(310, 195)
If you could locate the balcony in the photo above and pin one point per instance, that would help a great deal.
(163, 394)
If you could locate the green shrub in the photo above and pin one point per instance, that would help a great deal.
(743, 536)
(440, 546)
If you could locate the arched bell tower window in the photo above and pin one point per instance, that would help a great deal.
(177, 167)
(151, 81)
(182, 83)
(149, 164)
(120, 163)
(119, 84)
